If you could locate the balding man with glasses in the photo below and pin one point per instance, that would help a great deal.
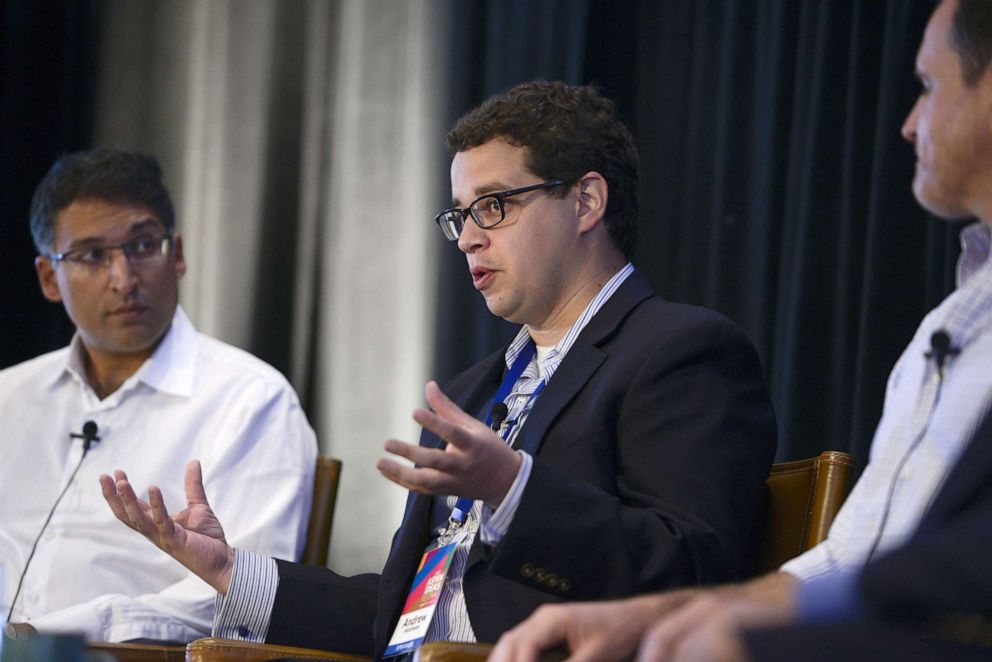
(137, 386)
(619, 443)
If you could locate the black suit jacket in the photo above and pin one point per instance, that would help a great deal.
(930, 599)
(652, 444)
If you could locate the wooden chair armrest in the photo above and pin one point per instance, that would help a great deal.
(213, 649)
(138, 652)
(456, 651)
(453, 651)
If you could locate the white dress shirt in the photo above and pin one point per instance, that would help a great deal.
(194, 398)
(927, 421)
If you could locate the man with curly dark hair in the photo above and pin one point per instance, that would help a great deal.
(566, 131)
(620, 443)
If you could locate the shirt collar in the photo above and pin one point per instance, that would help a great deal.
(72, 366)
(976, 240)
(170, 368)
(556, 355)
(966, 312)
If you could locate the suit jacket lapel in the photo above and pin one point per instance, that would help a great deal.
(578, 366)
(582, 360)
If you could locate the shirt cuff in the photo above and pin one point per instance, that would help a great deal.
(493, 524)
(245, 612)
(812, 563)
(830, 597)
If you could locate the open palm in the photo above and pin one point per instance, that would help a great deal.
(194, 536)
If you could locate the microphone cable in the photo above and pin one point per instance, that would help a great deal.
(940, 348)
(88, 436)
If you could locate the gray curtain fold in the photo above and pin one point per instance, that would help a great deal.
(299, 140)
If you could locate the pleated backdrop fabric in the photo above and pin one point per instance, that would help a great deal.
(303, 141)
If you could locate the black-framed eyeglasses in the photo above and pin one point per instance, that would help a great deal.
(487, 210)
(94, 257)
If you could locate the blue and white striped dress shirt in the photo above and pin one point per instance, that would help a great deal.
(244, 613)
(927, 421)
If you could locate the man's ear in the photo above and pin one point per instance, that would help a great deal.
(177, 255)
(593, 194)
(47, 280)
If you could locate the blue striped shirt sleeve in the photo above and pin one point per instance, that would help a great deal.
(245, 612)
(493, 524)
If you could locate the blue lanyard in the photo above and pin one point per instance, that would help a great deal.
(464, 505)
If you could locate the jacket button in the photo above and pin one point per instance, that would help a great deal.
(540, 574)
(527, 570)
(564, 585)
(552, 580)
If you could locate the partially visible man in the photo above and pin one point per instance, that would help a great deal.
(930, 599)
(634, 439)
(937, 394)
(137, 385)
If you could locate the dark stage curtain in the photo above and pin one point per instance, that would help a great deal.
(47, 73)
(775, 184)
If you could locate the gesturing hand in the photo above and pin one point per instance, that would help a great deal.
(476, 463)
(194, 536)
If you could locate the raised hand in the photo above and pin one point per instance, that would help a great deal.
(194, 536)
(476, 463)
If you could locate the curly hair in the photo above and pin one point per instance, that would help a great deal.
(567, 131)
(110, 174)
